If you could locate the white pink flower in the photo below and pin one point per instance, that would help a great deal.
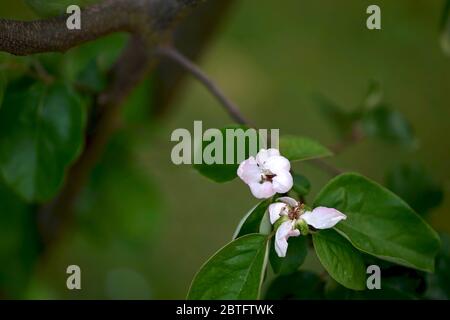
(295, 214)
(266, 174)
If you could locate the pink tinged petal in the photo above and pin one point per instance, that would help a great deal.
(281, 243)
(276, 210)
(289, 201)
(323, 217)
(262, 190)
(283, 182)
(264, 155)
(294, 233)
(277, 164)
(249, 171)
(284, 231)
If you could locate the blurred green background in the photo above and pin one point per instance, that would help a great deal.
(144, 226)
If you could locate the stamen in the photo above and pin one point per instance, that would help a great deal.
(267, 176)
(297, 211)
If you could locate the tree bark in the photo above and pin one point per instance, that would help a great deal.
(149, 18)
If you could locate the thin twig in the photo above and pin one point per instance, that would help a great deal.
(191, 37)
(184, 62)
(232, 109)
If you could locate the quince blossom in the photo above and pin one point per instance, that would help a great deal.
(266, 174)
(294, 215)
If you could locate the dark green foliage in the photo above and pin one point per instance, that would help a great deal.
(41, 133)
(301, 285)
(416, 186)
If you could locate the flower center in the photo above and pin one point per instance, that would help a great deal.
(296, 212)
(266, 175)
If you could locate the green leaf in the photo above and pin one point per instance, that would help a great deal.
(342, 261)
(295, 256)
(301, 148)
(227, 172)
(234, 272)
(301, 285)
(41, 133)
(438, 283)
(251, 223)
(48, 8)
(301, 186)
(19, 244)
(380, 223)
(388, 125)
(415, 185)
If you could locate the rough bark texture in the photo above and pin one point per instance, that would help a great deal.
(149, 18)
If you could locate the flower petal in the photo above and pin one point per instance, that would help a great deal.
(249, 171)
(294, 233)
(276, 210)
(262, 190)
(283, 182)
(264, 155)
(277, 164)
(323, 217)
(289, 201)
(283, 233)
